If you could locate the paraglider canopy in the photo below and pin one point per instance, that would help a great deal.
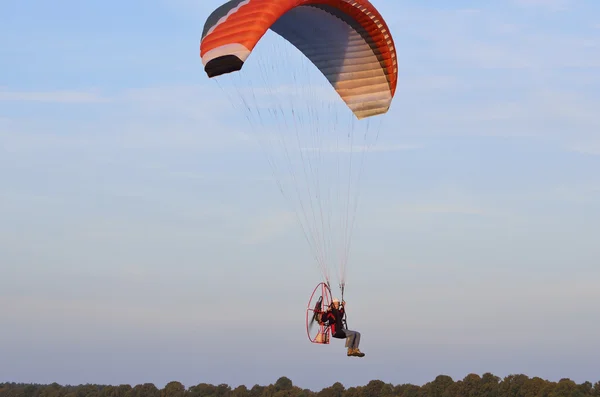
(304, 134)
(347, 40)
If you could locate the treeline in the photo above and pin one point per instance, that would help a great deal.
(472, 385)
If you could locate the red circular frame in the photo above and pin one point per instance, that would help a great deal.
(323, 333)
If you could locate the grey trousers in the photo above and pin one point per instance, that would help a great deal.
(352, 339)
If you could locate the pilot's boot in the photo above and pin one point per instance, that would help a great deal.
(355, 353)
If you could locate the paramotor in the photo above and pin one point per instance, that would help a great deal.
(317, 304)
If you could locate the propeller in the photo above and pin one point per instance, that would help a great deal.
(316, 312)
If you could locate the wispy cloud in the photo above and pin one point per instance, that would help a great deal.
(128, 313)
(428, 83)
(554, 5)
(4, 123)
(591, 148)
(459, 203)
(158, 117)
(531, 306)
(363, 148)
(503, 42)
(441, 209)
(270, 226)
(265, 93)
(52, 96)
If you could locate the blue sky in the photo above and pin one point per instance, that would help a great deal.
(141, 239)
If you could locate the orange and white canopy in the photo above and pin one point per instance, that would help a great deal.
(347, 40)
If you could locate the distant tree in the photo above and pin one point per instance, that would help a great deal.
(12, 390)
(453, 390)
(144, 390)
(352, 392)
(223, 390)
(285, 393)
(489, 385)
(473, 385)
(596, 391)
(240, 391)
(203, 390)
(407, 390)
(565, 388)
(535, 387)
(269, 391)
(283, 383)
(585, 389)
(438, 386)
(125, 390)
(373, 389)
(256, 391)
(511, 386)
(173, 389)
(335, 390)
(304, 393)
(111, 391)
(387, 390)
(51, 390)
(30, 390)
(87, 390)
